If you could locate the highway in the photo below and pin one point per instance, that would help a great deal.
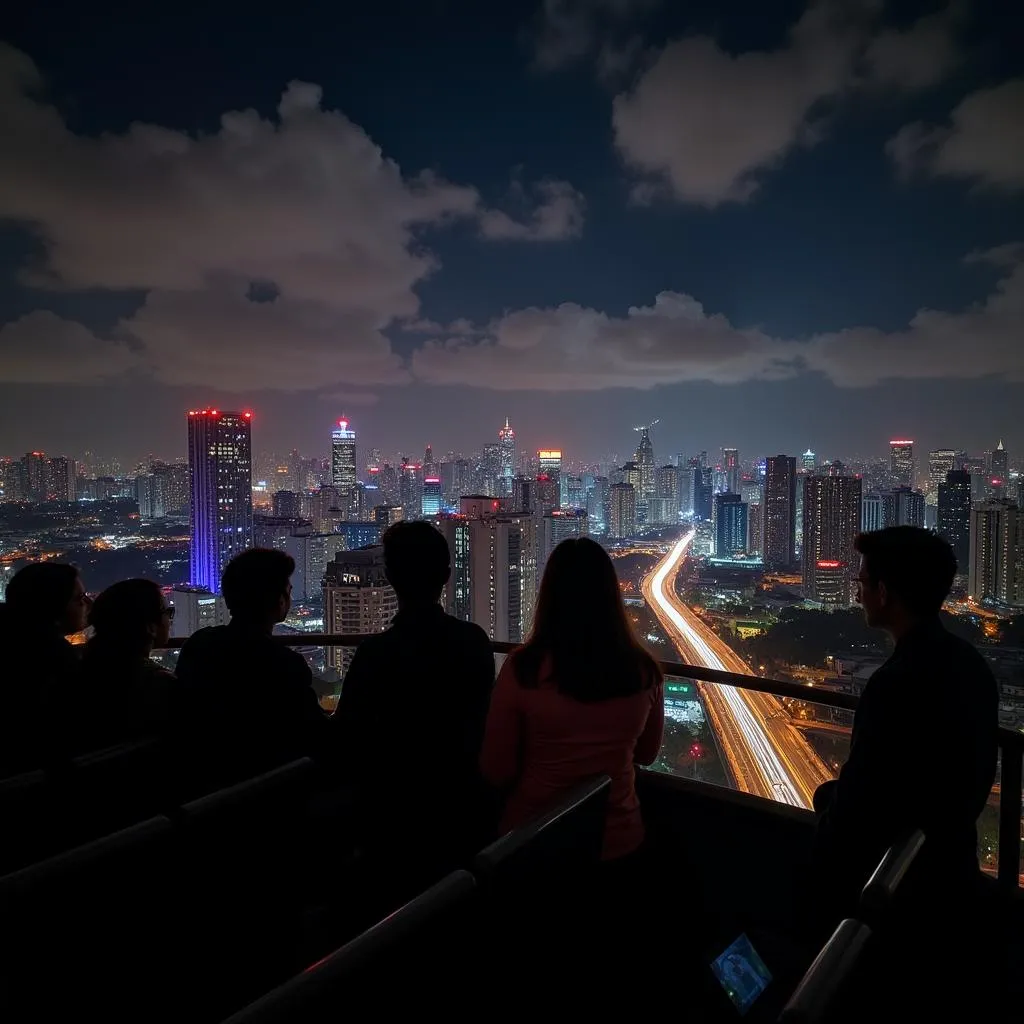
(764, 754)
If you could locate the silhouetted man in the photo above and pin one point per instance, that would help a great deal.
(244, 702)
(924, 745)
(411, 715)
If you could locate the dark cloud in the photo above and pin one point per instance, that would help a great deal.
(704, 124)
(983, 141)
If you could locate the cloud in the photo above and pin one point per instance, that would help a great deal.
(574, 348)
(350, 399)
(569, 30)
(304, 204)
(558, 216)
(918, 56)
(708, 123)
(983, 142)
(43, 348)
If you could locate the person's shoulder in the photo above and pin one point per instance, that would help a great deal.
(208, 636)
(469, 631)
(966, 654)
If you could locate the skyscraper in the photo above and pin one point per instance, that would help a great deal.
(622, 511)
(644, 459)
(557, 526)
(997, 554)
(664, 506)
(220, 506)
(808, 461)
(730, 525)
(431, 503)
(903, 507)
(357, 599)
(940, 462)
(954, 521)
(901, 463)
(872, 513)
(1000, 463)
(343, 457)
(731, 468)
(832, 515)
(780, 512)
(507, 456)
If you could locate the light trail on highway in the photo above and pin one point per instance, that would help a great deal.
(775, 763)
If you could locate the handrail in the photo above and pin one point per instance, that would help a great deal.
(876, 897)
(1011, 743)
(831, 971)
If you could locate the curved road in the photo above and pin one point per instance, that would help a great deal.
(765, 755)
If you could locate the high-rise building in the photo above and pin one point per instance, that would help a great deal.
(901, 463)
(703, 492)
(549, 464)
(954, 520)
(149, 493)
(997, 554)
(507, 456)
(940, 462)
(196, 608)
(903, 507)
(343, 457)
(779, 549)
(731, 468)
(175, 479)
(357, 598)
(287, 504)
(557, 526)
(410, 489)
(598, 506)
(622, 511)
(430, 505)
(61, 479)
(456, 598)
(664, 506)
(999, 463)
(730, 525)
(312, 553)
(490, 469)
(808, 461)
(35, 476)
(872, 513)
(644, 459)
(386, 515)
(220, 508)
(503, 551)
(755, 528)
(832, 517)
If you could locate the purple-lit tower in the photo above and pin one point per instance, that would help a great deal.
(220, 479)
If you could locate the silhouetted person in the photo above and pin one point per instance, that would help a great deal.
(924, 745)
(46, 602)
(245, 703)
(122, 694)
(410, 719)
(580, 698)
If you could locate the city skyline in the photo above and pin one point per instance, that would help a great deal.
(564, 237)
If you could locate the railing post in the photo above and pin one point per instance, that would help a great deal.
(1009, 815)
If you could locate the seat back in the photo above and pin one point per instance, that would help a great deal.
(886, 881)
(244, 856)
(542, 851)
(818, 995)
(83, 935)
(409, 961)
(26, 820)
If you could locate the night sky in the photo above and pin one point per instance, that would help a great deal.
(769, 230)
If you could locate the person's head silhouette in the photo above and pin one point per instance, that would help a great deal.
(905, 575)
(46, 596)
(417, 562)
(130, 618)
(257, 587)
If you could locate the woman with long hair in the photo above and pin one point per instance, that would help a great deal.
(580, 698)
(123, 693)
(45, 603)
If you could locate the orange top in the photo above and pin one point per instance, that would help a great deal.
(543, 743)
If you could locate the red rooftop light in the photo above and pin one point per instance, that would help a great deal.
(829, 565)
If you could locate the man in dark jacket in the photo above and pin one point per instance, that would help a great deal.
(924, 745)
(411, 715)
(244, 703)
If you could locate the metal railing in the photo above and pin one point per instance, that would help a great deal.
(1011, 744)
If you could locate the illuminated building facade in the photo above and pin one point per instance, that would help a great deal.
(940, 462)
(357, 598)
(779, 548)
(622, 511)
(730, 516)
(507, 457)
(557, 526)
(954, 520)
(220, 505)
(430, 505)
(731, 469)
(343, 457)
(997, 554)
(901, 463)
(832, 517)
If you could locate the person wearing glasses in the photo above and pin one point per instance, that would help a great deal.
(923, 750)
(123, 694)
(45, 603)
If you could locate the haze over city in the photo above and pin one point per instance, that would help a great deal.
(530, 212)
